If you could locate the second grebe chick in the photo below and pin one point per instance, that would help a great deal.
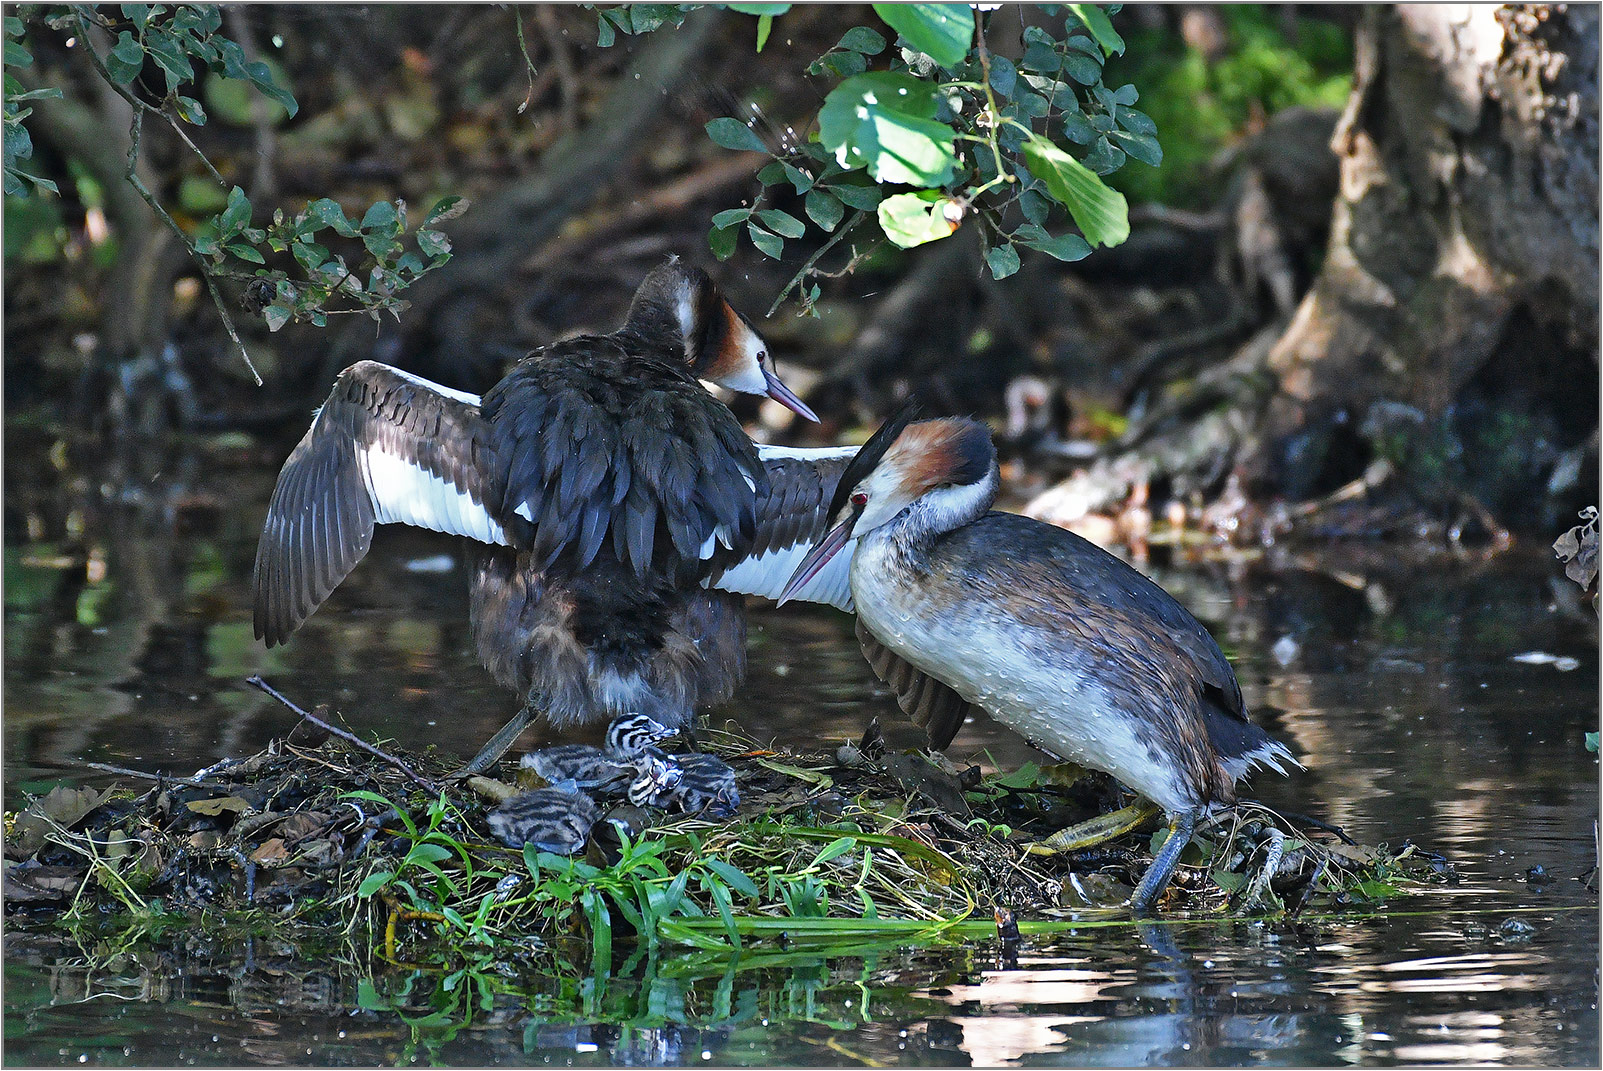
(962, 608)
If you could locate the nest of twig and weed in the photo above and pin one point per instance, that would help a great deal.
(842, 848)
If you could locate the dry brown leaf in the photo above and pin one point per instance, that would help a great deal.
(219, 805)
(60, 806)
(270, 852)
(27, 883)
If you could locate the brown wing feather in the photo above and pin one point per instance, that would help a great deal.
(926, 700)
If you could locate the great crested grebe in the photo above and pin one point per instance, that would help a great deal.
(962, 607)
(620, 505)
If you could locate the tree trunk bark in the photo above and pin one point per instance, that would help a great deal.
(1469, 188)
(1464, 239)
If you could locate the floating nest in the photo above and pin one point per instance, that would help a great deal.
(863, 843)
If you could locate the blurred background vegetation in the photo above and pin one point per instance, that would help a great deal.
(1175, 375)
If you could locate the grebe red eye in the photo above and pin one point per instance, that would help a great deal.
(859, 499)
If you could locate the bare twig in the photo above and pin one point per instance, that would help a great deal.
(349, 738)
(126, 772)
(807, 268)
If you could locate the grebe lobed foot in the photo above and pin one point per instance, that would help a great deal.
(497, 745)
(1146, 894)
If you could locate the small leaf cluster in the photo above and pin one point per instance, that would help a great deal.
(947, 131)
(385, 266)
(634, 19)
(175, 39)
(18, 145)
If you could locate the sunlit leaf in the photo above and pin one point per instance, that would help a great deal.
(942, 32)
(862, 39)
(1096, 20)
(884, 122)
(912, 219)
(770, 245)
(1101, 212)
(782, 223)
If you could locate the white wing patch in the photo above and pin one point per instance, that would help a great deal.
(803, 453)
(406, 493)
(429, 384)
(767, 574)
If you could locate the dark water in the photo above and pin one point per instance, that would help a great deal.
(1394, 682)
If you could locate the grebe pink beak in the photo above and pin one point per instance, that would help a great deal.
(815, 561)
(787, 397)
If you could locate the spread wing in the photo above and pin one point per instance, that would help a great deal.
(939, 709)
(791, 518)
(599, 445)
(387, 447)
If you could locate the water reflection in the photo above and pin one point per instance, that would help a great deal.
(1394, 684)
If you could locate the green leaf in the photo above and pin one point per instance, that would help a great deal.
(1082, 68)
(782, 223)
(276, 316)
(943, 32)
(734, 877)
(733, 134)
(13, 26)
(1004, 76)
(912, 219)
(1591, 741)
(125, 60)
(824, 209)
(170, 57)
(248, 252)
(236, 216)
(1096, 20)
(731, 217)
(1101, 213)
(884, 122)
(261, 76)
(190, 111)
(605, 34)
(770, 245)
(846, 64)
(446, 208)
(433, 243)
(1143, 147)
(1003, 261)
(800, 180)
(324, 212)
(373, 883)
(382, 218)
(722, 241)
(17, 56)
(759, 9)
(1229, 880)
(1068, 247)
(862, 198)
(862, 39)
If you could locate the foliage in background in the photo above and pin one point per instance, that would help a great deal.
(937, 130)
(161, 58)
(1205, 106)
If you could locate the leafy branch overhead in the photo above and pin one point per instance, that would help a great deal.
(156, 57)
(939, 131)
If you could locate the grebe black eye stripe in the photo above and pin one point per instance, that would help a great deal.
(873, 450)
(712, 325)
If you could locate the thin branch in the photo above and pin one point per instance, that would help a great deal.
(159, 777)
(806, 268)
(349, 738)
(132, 175)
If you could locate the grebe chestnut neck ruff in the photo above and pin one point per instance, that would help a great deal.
(618, 506)
(961, 608)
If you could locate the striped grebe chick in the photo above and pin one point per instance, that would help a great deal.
(555, 819)
(607, 769)
(706, 787)
(617, 505)
(961, 608)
